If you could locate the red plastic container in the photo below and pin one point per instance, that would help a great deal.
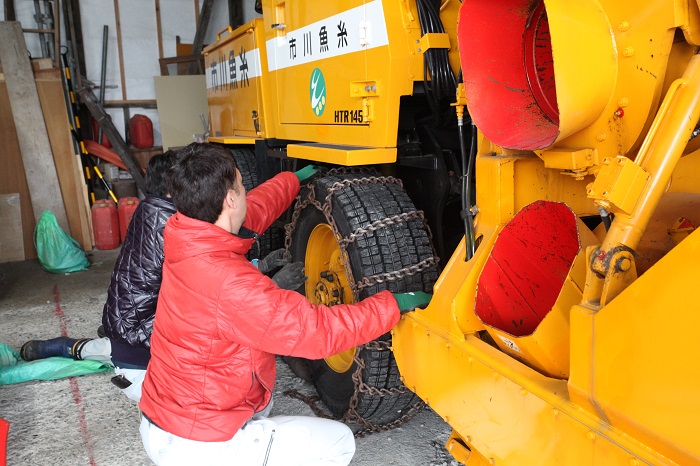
(141, 131)
(95, 131)
(105, 224)
(127, 206)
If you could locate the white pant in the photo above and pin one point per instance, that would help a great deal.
(274, 441)
(100, 349)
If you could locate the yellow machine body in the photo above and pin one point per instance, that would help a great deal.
(329, 76)
(608, 375)
(630, 361)
(237, 80)
(627, 95)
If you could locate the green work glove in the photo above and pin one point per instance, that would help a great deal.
(291, 276)
(410, 301)
(306, 173)
(273, 260)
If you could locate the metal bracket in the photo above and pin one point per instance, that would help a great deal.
(433, 40)
(619, 184)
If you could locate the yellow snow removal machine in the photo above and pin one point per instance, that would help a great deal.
(534, 164)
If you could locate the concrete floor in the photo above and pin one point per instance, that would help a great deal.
(87, 421)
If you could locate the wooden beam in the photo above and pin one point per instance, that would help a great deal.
(235, 13)
(56, 34)
(12, 178)
(119, 48)
(202, 26)
(33, 139)
(53, 104)
(10, 11)
(159, 29)
(195, 59)
(88, 98)
(145, 103)
(40, 31)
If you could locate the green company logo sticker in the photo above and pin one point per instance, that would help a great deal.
(317, 91)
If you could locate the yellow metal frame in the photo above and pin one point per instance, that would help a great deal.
(233, 140)
(630, 397)
(341, 155)
(623, 357)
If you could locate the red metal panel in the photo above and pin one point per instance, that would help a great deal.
(506, 56)
(526, 269)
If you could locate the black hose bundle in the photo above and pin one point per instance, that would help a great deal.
(442, 82)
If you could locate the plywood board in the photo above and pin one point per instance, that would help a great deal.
(53, 104)
(181, 99)
(69, 171)
(11, 240)
(12, 179)
(39, 167)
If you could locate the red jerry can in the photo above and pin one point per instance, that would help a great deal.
(127, 207)
(105, 224)
(141, 131)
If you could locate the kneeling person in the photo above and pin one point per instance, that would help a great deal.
(220, 323)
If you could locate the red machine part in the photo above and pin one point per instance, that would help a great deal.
(525, 272)
(141, 131)
(506, 55)
(127, 207)
(105, 224)
(4, 428)
(105, 154)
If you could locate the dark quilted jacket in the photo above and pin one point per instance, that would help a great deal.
(133, 291)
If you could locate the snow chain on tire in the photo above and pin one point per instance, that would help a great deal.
(308, 197)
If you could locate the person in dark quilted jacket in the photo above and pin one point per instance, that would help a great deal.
(132, 295)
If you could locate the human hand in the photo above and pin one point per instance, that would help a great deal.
(291, 276)
(276, 258)
(306, 173)
(410, 301)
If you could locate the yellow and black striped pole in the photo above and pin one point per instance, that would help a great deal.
(85, 158)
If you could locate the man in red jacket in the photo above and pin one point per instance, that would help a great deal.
(220, 322)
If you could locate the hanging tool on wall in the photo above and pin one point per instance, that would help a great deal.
(87, 161)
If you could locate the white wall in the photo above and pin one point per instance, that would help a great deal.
(139, 42)
(24, 10)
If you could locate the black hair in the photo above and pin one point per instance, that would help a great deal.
(158, 172)
(200, 180)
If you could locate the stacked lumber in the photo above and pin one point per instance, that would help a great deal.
(39, 162)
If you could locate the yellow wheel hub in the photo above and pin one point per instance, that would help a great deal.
(328, 282)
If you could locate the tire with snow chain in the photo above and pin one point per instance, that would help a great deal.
(389, 248)
(273, 238)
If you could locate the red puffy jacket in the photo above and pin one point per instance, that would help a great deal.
(220, 322)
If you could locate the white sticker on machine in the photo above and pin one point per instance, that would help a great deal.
(233, 70)
(354, 30)
(510, 344)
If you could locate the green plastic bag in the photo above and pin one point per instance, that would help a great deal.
(57, 251)
(15, 370)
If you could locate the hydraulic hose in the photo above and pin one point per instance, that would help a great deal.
(467, 175)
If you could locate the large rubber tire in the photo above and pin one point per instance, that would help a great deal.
(389, 249)
(273, 237)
